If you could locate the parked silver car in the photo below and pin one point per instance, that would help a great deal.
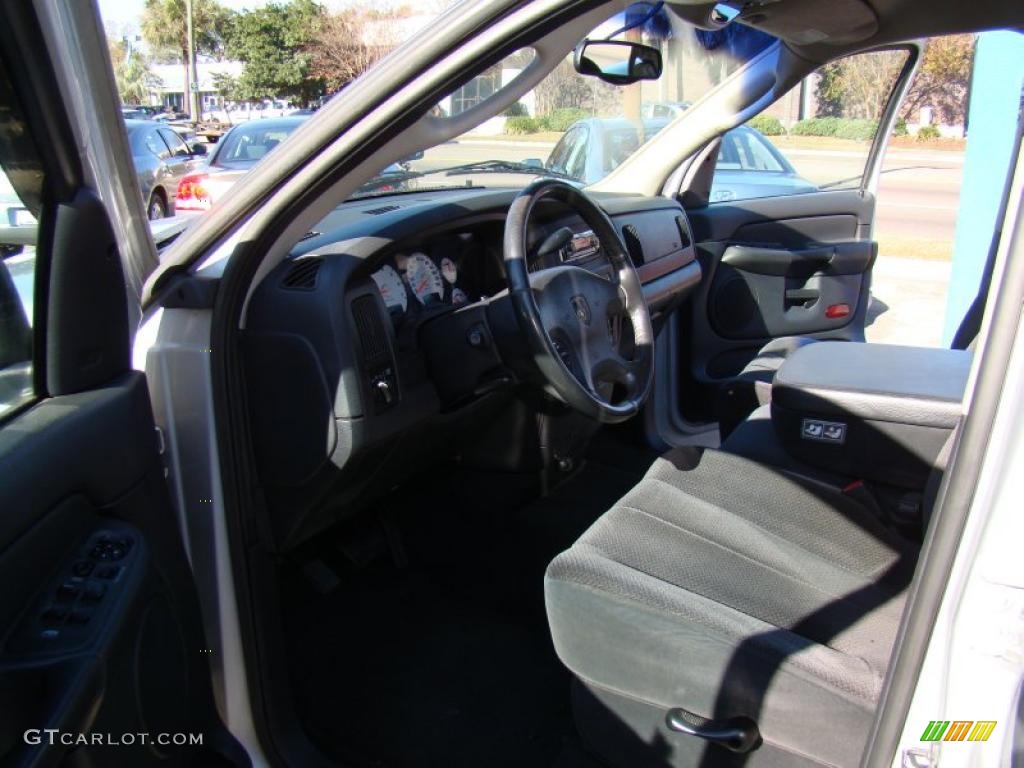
(161, 158)
(749, 165)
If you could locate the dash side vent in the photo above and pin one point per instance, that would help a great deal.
(382, 209)
(633, 244)
(684, 232)
(371, 332)
(302, 275)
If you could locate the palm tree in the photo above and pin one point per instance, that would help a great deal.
(135, 79)
(165, 29)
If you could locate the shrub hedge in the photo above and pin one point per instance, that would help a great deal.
(521, 124)
(928, 132)
(768, 125)
(560, 119)
(837, 127)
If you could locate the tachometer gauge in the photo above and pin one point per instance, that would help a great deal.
(424, 278)
(391, 288)
(459, 296)
(449, 270)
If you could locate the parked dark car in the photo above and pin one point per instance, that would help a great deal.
(162, 159)
(749, 165)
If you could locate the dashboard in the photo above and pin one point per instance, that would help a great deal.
(371, 350)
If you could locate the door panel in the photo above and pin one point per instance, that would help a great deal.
(103, 635)
(775, 267)
(102, 654)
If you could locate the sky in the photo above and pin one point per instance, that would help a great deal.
(121, 17)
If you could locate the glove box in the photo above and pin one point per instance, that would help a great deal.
(874, 412)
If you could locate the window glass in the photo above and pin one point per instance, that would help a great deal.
(249, 143)
(21, 182)
(815, 137)
(537, 133)
(559, 159)
(178, 147)
(577, 165)
(155, 145)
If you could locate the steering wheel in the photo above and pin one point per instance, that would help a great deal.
(572, 318)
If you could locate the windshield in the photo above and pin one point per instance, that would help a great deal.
(247, 144)
(572, 126)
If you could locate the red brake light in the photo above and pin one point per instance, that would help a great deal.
(193, 194)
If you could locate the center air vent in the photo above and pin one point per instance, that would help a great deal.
(633, 244)
(302, 275)
(382, 209)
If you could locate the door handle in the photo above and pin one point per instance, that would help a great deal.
(805, 296)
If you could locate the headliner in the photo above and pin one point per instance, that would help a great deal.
(820, 30)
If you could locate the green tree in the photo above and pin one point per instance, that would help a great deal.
(226, 86)
(135, 79)
(165, 29)
(272, 42)
(943, 79)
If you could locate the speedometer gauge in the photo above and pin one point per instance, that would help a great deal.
(424, 278)
(391, 289)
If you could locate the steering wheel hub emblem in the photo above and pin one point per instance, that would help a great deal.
(581, 308)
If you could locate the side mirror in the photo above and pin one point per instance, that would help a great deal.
(618, 62)
(198, 149)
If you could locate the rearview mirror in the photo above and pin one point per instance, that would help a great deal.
(617, 61)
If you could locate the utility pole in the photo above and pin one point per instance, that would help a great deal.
(193, 82)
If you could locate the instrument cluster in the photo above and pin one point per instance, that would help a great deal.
(420, 279)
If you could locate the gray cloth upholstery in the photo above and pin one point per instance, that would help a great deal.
(728, 588)
(752, 387)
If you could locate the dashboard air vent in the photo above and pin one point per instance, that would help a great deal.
(302, 275)
(370, 330)
(382, 209)
(633, 244)
(685, 240)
